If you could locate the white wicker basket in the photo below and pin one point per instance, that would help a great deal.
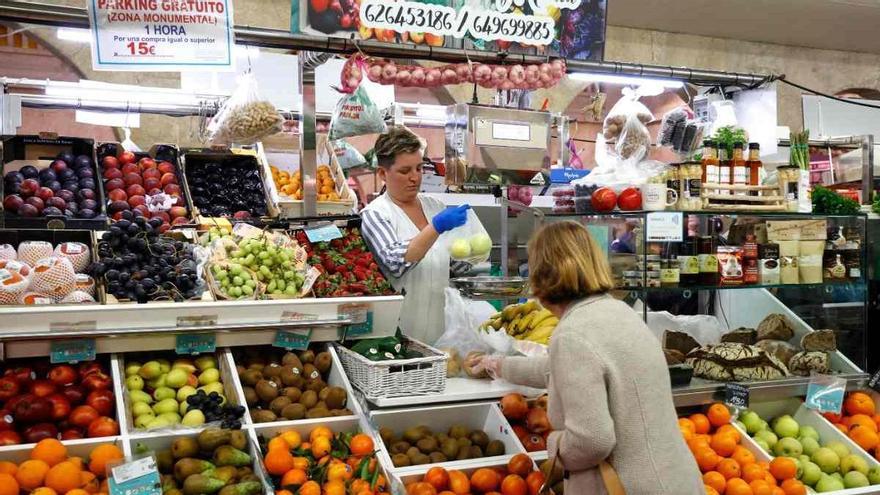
(396, 377)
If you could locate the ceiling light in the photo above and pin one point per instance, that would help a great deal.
(73, 34)
(625, 80)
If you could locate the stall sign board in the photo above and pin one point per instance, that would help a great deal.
(665, 226)
(162, 35)
(293, 339)
(72, 351)
(138, 477)
(874, 382)
(825, 393)
(195, 343)
(736, 395)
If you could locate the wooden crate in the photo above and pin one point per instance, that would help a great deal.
(724, 197)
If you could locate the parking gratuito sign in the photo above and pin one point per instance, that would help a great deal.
(161, 35)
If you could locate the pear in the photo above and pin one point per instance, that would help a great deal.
(140, 408)
(212, 387)
(184, 364)
(140, 396)
(158, 382)
(206, 362)
(163, 393)
(164, 406)
(184, 392)
(208, 376)
(150, 370)
(157, 423)
(172, 417)
(132, 368)
(164, 365)
(176, 378)
(134, 382)
(193, 418)
(143, 420)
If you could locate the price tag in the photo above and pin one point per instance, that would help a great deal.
(76, 326)
(72, 351)
(197, 321)
(874, 382)
(195, 343)
(140, 477)
(289, 316)
(293, 339)
(323, 233)
(665, 226)
(825, 393)
(736, 395)
(246, 230)
(361, 315)
(73, 247)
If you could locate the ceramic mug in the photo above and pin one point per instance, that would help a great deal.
(658, 197)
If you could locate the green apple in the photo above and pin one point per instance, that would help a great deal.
(768, 436)
(206, 362)
(839, 448)
(786, 427)
(752, 422)
(827, 460)
(140, 408)
(760, 442)
(211, 375)
(157, 423)
(140, 396)
(855, 479)
(803, 458)
(143, 420)
(158, 382)
(132, 368)
(788, 447)
(150, 370)
(854, 462)
(481, 244)
(184, 392)
(808, 432)
(212, 387)
(765, 425)
(810, 445)
(164, 406)
(184, 364)
(837, 476)
(171, 417)
(164, 365)
(176, 378)
(460, 249)
(163, 393)
(740, 425)
(193, 418)
(829, 484)
(874, 476)
(810, 473)
(134, 382)
(184, 407)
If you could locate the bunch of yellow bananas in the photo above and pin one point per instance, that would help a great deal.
(527, 321)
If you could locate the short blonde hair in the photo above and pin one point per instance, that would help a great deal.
(566, 264)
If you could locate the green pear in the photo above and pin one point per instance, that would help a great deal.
(213, 387)
(768, 436)
(810, 473)
(172, 417)
(134, 382)
(839, 448)
(210, 375)
(163, 393)
(164, 365)
(158, 423)
(874, 476)
(164, 406)
(206, 362)
(158, 381)
(143, 420)
(193, 418)
(132, 368)
(810, 445)
(140, 396)
(150, 370)
(184, 407)
(176, 378)
(140, 408)
(827, 460)
(184, 364)
(808, 432)
(854, 462)
(855, 479)
(752, 422)
(184, 392)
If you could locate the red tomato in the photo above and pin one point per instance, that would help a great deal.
(319, 5)
(603, 199)
(630, 199)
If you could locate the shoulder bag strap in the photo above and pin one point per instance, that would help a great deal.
(612, 481)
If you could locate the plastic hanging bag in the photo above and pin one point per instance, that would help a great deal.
(462, 318)
(470, 242)
(626, 122)
(245, 117)
(574, 160)
(356, 115)
(346, 154)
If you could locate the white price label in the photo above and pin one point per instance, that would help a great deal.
(5, 274)
(665, 226)
(134, 469)
(72, 248)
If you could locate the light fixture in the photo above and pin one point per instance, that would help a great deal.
(626, 80)
(73, 34)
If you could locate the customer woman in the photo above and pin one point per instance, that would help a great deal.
(610, 398)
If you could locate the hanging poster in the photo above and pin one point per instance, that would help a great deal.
(161, 35)
(567, 28)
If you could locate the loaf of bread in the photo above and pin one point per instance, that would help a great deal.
(775, 327)
(819, 340)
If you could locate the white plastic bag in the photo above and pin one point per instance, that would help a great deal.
(705, 329)
(244, 118)
(356, 115)
(618, 173)
(470, 242)
(346, 154)
(462, 318)
(626, 123)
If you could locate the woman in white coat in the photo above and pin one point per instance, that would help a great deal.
(402, 228)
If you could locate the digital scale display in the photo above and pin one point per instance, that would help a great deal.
(511, 132)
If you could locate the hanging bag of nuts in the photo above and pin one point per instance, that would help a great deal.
(245, 117)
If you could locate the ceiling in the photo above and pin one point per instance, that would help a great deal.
(831, 24)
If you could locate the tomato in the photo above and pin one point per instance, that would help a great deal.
(630, 199)
(103, 427)
(319, 5)
(603, 199)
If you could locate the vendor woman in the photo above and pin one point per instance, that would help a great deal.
(403, 226)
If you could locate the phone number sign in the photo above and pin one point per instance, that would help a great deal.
(161, 35)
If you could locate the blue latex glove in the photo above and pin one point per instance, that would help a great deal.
(450, 218)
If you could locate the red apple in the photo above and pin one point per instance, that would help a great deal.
(133, 179)
(152, 173)
(102, 401)
(135, 190)
(168, 179)
(114, 184)
(164, 228)
(83, 416)
(166, 167)
(12, 403)
(33, 411)
(97, 381)
(142, 210)
(241, 215)
(7, 422)
(172, 190)
(28, 187)
(180, 221)
(63, 374)
(86, 369)
(44, 193)
(75, 394)
(41, 431)
(117, 195)
(177, 212)
(146, 163)
(9, 388)
(117, 216)
(103, 427)
(24, 375)
(71, 434)
(43, 388)
(127, 157)
(60, 406)
(130, 168)
(152, 183)
(136, 201)
(9, 437)
(57, 203)
(161, 214)
(154, 191)
(178, 201)
(112, 173)
(110, 162)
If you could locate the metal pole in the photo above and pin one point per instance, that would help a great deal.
(867, 169)
(308, 138)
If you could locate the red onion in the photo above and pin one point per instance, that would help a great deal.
(389, 73)
(557, 68)
(449, 76)
(499, 73)
(433, 77)
(374, 73)
(482, 73)
(403, 77)
(517, 74)
(418, 76)
(464, 73)
(506, 85)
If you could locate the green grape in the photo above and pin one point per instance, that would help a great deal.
(291, 290)
(237, 281)
(265, 270)
(247, 290)
(280, 284)
(271, 286)
(250, 283)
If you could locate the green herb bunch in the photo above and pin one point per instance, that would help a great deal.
(730, 135)
(828, 202)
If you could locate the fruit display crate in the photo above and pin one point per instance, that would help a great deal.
(41, 151)
(468, 467)
(485, 417)
(827, 434)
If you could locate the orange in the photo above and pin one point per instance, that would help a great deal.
(723, 444)
(361, 444)
(7, 467)
(8, 484)
(63, 477)
(793, 487)
(859, 403)
(294, 477)
(842, 427)
(697, 443)
(339, 471)
(485, 480)
(535, 480)
(737, 486)
(752, 472)
(707, 459)
(44, 490)
(292, 437)
(320, 431)
(335, 487)
(49, 450)
(421, 488)
(278, 462)
(89, 482)
(729, 468)
(729, 429)
(710, 490)
(701, 423)
(310, 488)
(863, 420)
(778, 491)
(459, 483)
(865, 437)
(716, 480)
(30, 474)
(876, 419)
(686, 424)
(301, 463)
(769, 478)
(783, 468)
(77, 491)
(761, 487)
(277, 443)
(514, 485)
(321, 447)
(743, 456)
(520, 464)
(101, 455)
(437, 477)
(718, 414)
(686, 433)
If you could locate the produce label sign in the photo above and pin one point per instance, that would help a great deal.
(195, 343)
(567, 28)
(161, 35)
(72, 351)
(140, 477)
(293, 339)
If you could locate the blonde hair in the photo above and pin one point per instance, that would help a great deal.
(566, 264)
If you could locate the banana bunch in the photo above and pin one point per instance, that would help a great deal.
(527, 321)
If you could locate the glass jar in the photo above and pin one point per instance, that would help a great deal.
(689, 264)
(690, 182)
(708, 260)
(788, 177)
(670, 272)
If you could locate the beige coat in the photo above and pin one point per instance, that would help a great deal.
(610, 397)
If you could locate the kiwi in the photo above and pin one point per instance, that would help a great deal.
(263, 416)
(250, 396)
(239, 369)
(400, 460)
(437, 457)
(386, 434)
(449, 448)
(266, 390)
(441, 437)
(412, 452)
(323, 362)
(458, 431)
(419, 459)
(308, 399)
(317, 412)
(321, 404)
(340, 412)
(464, 443)
(336, 398)
(294, 411)
(400, 447)
(316, 385)
(289, 376)
(278, 404)
(291, 359)
(292, 393)
(479, 438)
(272, 370)
(258, 366)
(310, 372)
(307, 356)
(495, 447)
(426, 432)
(322, 394)
(412, 435)
(427, 445)
(476, 452)
(251, 377)
(463, 454)
(277, 381)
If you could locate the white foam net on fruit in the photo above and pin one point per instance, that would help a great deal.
(31, 252)
(57, 277)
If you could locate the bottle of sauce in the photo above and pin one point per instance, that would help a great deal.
(725, 168)
(688, 263)
(708, 261)
(739, 169)
(710, 162)
(755, 165)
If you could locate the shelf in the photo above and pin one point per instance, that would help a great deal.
(856, 284)
(642, 213)
(701, 392)
(458, 390)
